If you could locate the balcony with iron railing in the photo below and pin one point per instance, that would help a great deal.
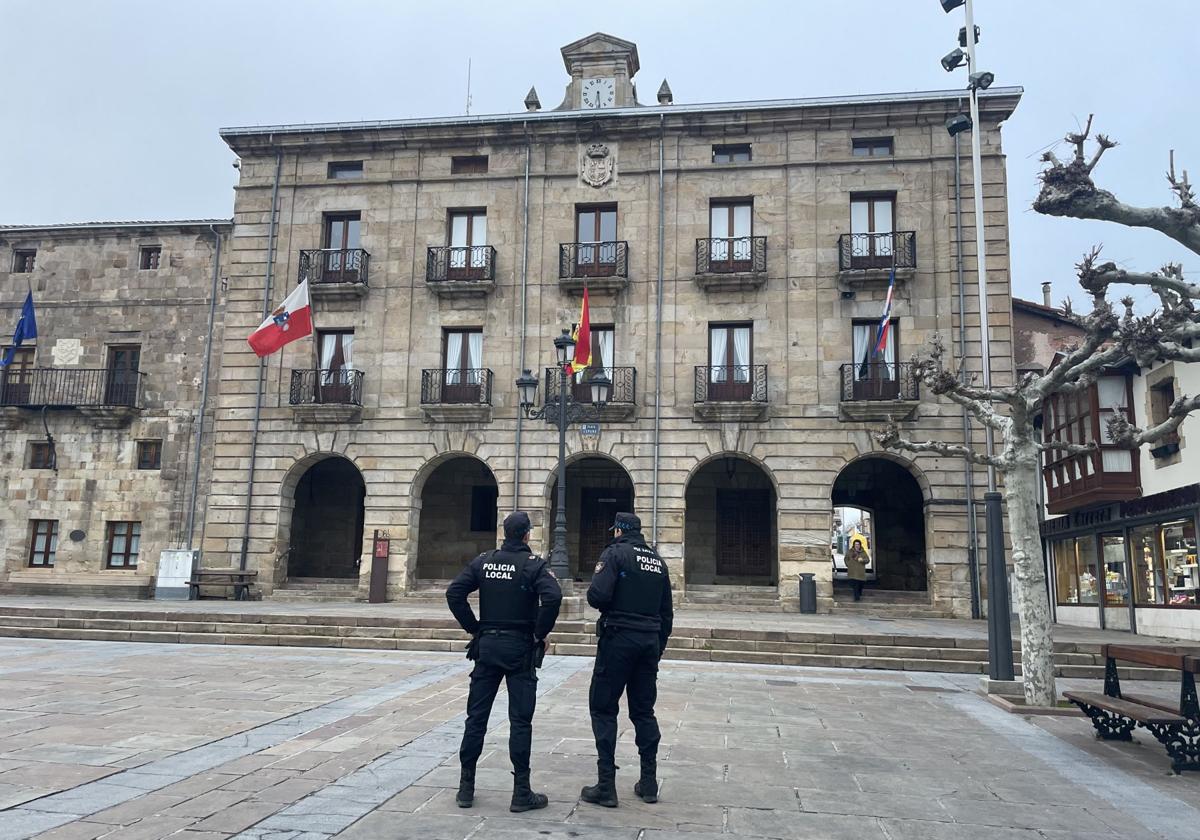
(327, 396)
(455, 395)
(878, 391)
(335, 272)
(600, 266)
(110, 396)
(731, 262)
(731, 392)
(465, 271)
(622, 400)
(866, 259)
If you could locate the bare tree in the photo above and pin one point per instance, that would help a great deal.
(1111, 337)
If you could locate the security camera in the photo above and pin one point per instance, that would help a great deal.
(237, 164)
(981, 80)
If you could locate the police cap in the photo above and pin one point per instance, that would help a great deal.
(517, 525)
(626, 522)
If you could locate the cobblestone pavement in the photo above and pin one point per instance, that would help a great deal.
(132, 741)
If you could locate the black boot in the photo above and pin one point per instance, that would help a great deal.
(465, 797)
(604, 792)
(524, 799)
(646, 788)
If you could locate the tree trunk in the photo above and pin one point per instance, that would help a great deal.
(1033, 603)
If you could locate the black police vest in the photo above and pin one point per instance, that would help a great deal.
(506, 597)
(640, 588)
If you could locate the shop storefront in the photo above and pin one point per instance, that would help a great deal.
(1129, 566)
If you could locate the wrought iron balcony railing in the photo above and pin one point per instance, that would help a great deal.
(445, 264)
(71, 388)
(731, 383)
(624, 385)
(879, 381)
(324, 266)
(877, 250)
(326, 387)
(593, 259)
(739, 255)
(456, 387)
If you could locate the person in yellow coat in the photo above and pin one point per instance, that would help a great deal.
(856, 564)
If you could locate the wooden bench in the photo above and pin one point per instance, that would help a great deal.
(239, 579)
(1114, 715)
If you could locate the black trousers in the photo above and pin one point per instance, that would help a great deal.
(857, 586)
(626, 662)
(508, 658)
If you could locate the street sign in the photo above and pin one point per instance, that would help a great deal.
(590, 430)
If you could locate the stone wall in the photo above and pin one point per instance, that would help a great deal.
(90, 294)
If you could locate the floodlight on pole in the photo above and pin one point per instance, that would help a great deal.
(962, 36)
(951, 5)
(981, 80)
(953, 60)
(958, 124)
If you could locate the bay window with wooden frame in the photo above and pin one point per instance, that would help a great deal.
(1109, 473)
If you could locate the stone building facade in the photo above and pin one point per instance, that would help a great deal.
(736, 257)
(98, 415)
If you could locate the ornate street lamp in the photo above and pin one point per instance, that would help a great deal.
(566, 412)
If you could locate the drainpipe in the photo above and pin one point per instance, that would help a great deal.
(212, 316)
(262, 363)
(972, 526)
(524, 315)
(658, 328)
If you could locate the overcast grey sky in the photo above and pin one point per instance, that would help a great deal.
(112, 108)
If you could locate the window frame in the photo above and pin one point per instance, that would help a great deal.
(469, 164)
(731, 151)
(869, 146)
(152, 446)
(327, 223)
(344, 170)
(40, 456)
(1160, 407)
(149, 257)
(24, 260)
(118, 380)
(133, 529)
(49, 554)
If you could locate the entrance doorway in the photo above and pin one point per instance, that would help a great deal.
(458, 517)
(730, 525)
(597, 489)
(896, 506)
(326, 536)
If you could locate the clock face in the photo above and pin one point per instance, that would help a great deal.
(599, 93)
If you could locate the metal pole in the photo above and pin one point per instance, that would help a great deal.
(972, 524)
(204, 371)
(516, 503)
(658, 330)
(559, 561)
(999, 622)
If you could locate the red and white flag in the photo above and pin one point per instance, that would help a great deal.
(290, 321)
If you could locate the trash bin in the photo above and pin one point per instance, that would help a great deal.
(808, 592)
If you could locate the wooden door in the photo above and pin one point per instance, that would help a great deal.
(121, 384)
(743, 519)
(600, 507)
(16, 379)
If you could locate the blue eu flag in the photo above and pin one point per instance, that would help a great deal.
(26, 328)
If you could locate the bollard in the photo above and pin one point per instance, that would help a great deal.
(808, 593)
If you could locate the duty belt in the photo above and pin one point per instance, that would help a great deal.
(518, 634)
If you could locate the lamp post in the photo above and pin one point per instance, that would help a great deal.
(564, 414)
(1000, 652)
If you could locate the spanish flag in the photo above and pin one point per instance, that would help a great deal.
(583, 340)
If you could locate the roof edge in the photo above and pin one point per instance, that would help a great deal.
(73, 226)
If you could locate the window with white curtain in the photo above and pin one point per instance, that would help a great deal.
(867, 363)
(729, 352)
(603, 347)
(463, 349)
(1113, 399)
(336, 348)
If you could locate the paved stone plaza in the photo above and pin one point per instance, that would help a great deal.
(130, 741)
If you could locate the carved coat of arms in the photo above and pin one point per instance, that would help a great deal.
(598, 165)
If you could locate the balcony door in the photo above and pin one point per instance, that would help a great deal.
(875, 374)
(16, 378)
(730, 357)
(872, 229)
(596, 235)
(342, 235)
(462, 350)
(335, 374)
(731, 226)
(467, 235)
(602, 360)
(121, 378)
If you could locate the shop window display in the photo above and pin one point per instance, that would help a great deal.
(1076, 571)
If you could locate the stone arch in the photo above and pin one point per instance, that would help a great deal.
(598, 486)
(321, 516)
(454, 499)
(731, 522)
(893, 492)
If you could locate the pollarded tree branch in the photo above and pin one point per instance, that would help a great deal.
(1068, 448)
(1068, 190)
(1124, 433)
(1180, 186)
(889, 438)
(1170, 278)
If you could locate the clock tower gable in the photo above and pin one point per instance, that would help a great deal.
(602, 68)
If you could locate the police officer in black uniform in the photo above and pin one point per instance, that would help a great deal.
(632, 590)
(519, 599)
